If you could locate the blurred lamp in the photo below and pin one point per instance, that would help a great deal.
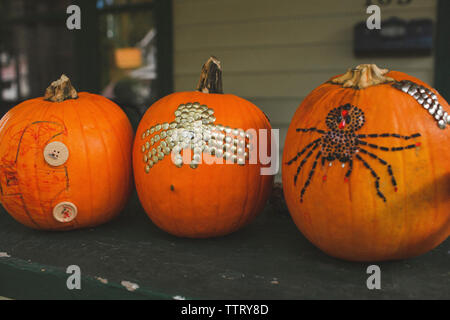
(128, 58)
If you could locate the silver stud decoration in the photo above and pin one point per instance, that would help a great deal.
(193, 129)
(427, 99)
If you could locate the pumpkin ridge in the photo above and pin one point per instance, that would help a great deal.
(403, 239)
(87, 159)
(105, 148)
(45, 109)
(242, 219)
(436, 195)
(173, 211)
(23, 117)
(118, 137)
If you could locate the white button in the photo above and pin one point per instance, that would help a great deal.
(65, 212)
(56, 153)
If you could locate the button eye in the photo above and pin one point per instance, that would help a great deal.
(56, 153)
(65, 212)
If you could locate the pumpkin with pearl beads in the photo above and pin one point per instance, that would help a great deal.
(191, 160)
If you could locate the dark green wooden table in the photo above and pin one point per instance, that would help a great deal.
(269, 259)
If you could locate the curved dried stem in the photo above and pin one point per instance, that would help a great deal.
(60, 90)
(363, 76)
(211, 77)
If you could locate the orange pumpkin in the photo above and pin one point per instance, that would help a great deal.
(178, 143)
(366, 171)
(65, 159)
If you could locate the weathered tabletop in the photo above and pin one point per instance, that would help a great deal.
(269, 259)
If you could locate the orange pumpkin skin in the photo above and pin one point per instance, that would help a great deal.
(346, 219)
(210, 200)
(96, 177)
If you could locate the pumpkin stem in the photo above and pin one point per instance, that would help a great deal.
(60, 90)
(363, 76)
(211, 77)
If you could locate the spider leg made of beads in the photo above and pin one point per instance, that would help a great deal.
(310, 129)
(310, 175)
(299, 154)
(300, 166)
(387, 135)
(383, 148)
(374, 174)
(383, 162)
(350, 168)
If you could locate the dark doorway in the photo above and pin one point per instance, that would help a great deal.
(120, 51)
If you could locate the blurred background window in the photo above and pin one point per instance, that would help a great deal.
(34, 49)
(128, 51)
(117, 52)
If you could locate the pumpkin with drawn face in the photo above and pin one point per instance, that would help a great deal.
(65, 159)
(366, 170)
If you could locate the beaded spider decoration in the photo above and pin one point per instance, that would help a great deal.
(341, 143)
(194, 128)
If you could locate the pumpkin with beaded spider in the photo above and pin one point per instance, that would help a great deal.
(365, 167)
(343, 144)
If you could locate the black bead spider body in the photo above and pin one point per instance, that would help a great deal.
(343, 144)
